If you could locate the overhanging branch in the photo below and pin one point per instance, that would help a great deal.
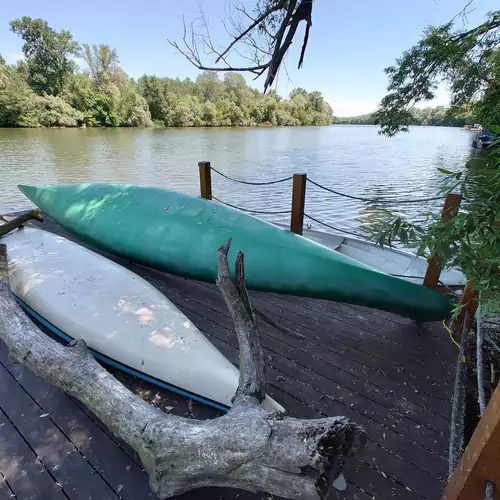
(275, 44)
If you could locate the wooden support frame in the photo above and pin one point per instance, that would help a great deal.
(298, 203)
(205, 180)
(480, 461)
(450, 210)
(469, 303)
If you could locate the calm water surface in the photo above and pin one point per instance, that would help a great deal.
(350, 159)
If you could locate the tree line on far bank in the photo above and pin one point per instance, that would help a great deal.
(47, 89)
(439, 116)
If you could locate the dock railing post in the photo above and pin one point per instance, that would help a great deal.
(450, 209)
(205, 180)
(469, 303)
(298, 203)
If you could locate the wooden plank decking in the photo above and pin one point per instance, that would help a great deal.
(382, 371)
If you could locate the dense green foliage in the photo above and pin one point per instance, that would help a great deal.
(212, 102)
(47, 89)
(471, 240)
(468, 61)
(47, 54)
(439, 116)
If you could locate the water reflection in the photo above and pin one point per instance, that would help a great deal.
(350, 159)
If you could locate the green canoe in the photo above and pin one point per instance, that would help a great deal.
(180, 234)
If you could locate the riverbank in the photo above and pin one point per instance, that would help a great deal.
(439, 116)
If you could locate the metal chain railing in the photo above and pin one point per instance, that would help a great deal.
(248, 183)
(375, 200)
(266, 212)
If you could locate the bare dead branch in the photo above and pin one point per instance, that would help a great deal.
(269, 46)
(250, 28)
(252, 369)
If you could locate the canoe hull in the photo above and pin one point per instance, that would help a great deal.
(181, 234)
(129, 324)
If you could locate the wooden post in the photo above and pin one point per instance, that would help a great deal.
(205, 180)
(450, 209)
(298, 203)
(480, 460)
(470, 303)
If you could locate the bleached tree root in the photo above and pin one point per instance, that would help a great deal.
(247, 448)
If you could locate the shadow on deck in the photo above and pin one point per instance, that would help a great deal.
(380, 370)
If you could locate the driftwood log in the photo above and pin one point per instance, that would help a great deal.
(247, 448)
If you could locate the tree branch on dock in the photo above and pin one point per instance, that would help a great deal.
(17, 222)
(247, 448)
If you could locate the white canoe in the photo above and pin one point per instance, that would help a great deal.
(128, 323)
(388, 260)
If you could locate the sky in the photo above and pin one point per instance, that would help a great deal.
(350, 43)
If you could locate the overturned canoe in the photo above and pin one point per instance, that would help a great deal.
(181, 234)
(127, 323)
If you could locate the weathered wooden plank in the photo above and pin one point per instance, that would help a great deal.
(324, 400)
(387, 416)
(360, 471)
(335, 339)
(343, 382)
(57, 453)
(411, 350)
(118, 468)
(422, 407)
(416, 470)
(6, 493)
(404, 334)
(19, 466)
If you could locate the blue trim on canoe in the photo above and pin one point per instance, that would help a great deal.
(117, 364)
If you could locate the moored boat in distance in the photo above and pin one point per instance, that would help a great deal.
(127, 323)
(180, 234)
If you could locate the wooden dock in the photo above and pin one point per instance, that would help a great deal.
(382, 371)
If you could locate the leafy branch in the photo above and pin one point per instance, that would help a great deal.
(471, 240)
(468, 60)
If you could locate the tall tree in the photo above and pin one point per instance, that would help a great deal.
(103, 63)
(468, 60)
(47, 54)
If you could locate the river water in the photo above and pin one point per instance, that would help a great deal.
(350, 159)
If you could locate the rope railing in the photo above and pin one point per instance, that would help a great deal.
(375, 200)
(297, 212)
(335, 228)
(266, 212)
(248, 183)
